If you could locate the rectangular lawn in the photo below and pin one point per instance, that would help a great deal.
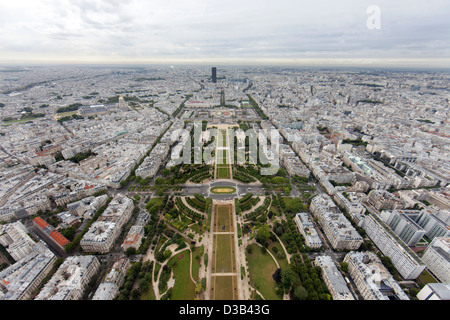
(223, 221)
(223, 257)
(224, 288)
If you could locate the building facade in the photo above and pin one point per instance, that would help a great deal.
(334, 280)
(372, 279)
(408, 264)
(339, 231)
(103, 233)
(306, 228)
(437, 258)
(71, 279)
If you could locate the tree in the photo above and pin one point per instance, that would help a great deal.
(277, 275)
(288, 278)
(165, 172)
(281, 172)
(123, 183)
(143, 285)
(263, 234)
(130, 251)
(344, 266)
(69, 233)
(300, 293)
(277, 180)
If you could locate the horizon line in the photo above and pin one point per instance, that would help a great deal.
(418, 63)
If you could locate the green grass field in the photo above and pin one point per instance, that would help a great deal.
(222, 157)
(261, 268)
(223, 172)
(224, 138)
(223, 257)
(282, 262)
(224, 288)
(223, 221)
(184, 288)
(223, 167)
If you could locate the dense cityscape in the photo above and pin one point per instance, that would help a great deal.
(153, 182)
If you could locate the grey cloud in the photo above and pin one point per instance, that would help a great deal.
(232, 28)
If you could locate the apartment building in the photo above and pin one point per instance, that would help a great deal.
(20, 280)
(71, 279)
(133, 238)
(306, 228)
(109, 288)
(403, 226)
(372, 279)
(384, 200)
(351, 204)
(437, 258)
(339, 231)
(14, 237)
(334, 280)
(435, 291)
(103, 233)
(408, 264)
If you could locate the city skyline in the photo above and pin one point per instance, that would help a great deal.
(209, 151)
(410, 33)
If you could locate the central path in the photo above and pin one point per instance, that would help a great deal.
(224, 267)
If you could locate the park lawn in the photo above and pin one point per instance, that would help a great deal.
(224, 260)
(224, 287)
(222, 158)
(149, 294)
(8, 123)
(196, 228)
(196, 260)
(223, 219)
(261, 267)
(157, 267)
(224, 138)
(223, 173)
(184, 288)
(282, 262)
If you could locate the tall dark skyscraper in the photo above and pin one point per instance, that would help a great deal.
(214, 74)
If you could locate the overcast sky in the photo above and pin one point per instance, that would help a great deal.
(415, 32)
